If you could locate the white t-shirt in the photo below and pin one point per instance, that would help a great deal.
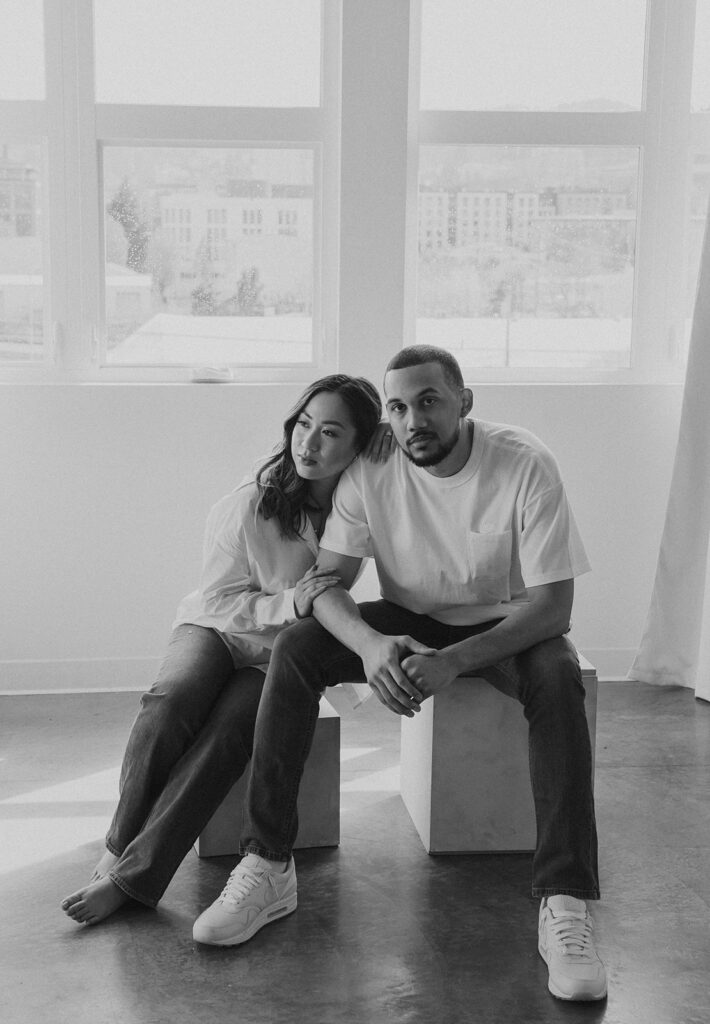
(461, 549)
(248, 577)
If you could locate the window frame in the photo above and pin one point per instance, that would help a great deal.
(75, 130)
(369, 49)
(660, 131)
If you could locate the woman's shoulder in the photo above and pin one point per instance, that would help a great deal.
(236, 509)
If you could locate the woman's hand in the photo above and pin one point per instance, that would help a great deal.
(310, 586)
(381, 445)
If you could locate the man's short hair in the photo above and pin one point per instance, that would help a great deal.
(415, 355)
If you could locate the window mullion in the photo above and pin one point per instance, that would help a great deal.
(539, 128)
(327, 278)
(56, 253)
(89, 228)
(659, 312)
(72, 147)
(91, 238)
(411, 232)
(167, 124)
(374, 154)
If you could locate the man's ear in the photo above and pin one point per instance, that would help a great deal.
(466, 401)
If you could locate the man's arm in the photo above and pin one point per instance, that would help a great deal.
(381, 655)
(546, 615)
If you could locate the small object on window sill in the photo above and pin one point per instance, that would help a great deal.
(211, 374)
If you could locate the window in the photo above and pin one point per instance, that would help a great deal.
(475, 56)
(171, 136)
(22, 330)
(294, 186)
(208, 295)
(22, 51)
(250, 53)
(22, 185)
(565, 180)
(553, 250)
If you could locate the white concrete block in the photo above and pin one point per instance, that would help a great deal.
(465, 778)
(318, 797)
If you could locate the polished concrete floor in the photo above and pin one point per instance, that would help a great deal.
(384, 934)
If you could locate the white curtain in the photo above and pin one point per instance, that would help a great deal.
(675, 647)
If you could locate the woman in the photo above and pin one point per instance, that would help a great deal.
(193, 735)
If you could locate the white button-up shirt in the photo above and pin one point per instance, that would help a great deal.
(248, 576)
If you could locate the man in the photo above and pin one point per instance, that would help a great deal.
(476, 551)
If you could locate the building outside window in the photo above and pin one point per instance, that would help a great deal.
(158, 137)
(549, 171)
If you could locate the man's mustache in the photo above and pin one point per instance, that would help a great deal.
(421, 435)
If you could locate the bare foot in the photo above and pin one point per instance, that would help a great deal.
(108, 861)
(95, 902)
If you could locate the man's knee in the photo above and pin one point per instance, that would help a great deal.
(306, 651)
(551, 670)
(305, 637)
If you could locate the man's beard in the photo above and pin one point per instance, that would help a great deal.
(442, 450)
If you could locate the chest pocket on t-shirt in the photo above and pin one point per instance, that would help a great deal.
(489, 557)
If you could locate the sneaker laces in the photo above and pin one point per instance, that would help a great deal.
(572, 934)
(240, 883)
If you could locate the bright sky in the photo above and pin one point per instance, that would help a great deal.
(488, 55)
(476, 53)
(21, 50)
(212, 52)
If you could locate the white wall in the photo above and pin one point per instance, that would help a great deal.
(105, 490)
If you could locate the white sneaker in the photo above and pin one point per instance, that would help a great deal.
(255, 895)
(565, 944)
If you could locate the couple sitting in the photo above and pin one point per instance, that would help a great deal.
(476, 551)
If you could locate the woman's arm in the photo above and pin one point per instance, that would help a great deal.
(231, 598)
(232, 588)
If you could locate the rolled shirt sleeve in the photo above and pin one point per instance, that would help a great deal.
(231, 598)
(551, 548)
(249, 571)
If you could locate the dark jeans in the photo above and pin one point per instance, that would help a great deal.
(546, 679)
(190, 743)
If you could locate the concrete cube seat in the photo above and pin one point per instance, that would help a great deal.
(465, 778)
(318, 798)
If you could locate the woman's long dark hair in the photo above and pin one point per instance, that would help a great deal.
(282, 492)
